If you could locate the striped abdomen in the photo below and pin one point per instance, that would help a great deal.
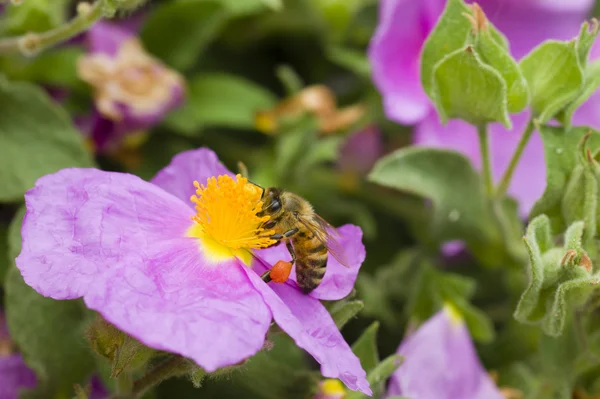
(311, 260)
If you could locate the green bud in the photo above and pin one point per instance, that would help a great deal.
(496, 55)
(560, 278)
(466, 88)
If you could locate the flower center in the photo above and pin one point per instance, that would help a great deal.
(227, 211)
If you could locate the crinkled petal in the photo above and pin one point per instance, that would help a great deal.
(107, 37)
(14, 376)
(394, 53)
(170, 298)
(338, 280)
(440, 362)
(307, 321)
(529, 179)
(81, 222)
(178, 177)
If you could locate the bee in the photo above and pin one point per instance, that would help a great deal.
(308, 237)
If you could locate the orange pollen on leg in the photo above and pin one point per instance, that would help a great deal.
(227, 210)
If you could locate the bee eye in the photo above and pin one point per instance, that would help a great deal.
(275, 205)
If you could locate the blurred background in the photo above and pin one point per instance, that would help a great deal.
(287, 89)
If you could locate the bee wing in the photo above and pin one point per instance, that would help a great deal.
(328, 235)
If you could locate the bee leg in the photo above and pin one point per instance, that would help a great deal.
(290, 233)
(291, 249)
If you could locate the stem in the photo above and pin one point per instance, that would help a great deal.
(484, 148)
(505, 182)
(32, 43)
(173, 366)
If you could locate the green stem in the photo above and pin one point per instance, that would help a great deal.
(32, 43)
(505, 182)
(484, 148)
(171, 367)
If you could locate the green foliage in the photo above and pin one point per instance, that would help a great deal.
(220, 100)
(572, 181)
(560, 278)
(33, 16)
(36, 138)
(197, 21)
(49, 333)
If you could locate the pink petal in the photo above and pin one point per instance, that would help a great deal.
(307, 321)
(170, 298)
(360, 151)
(529, 179)
(81, 222)
(441, 363)
(394, 53)
(339, 280)
(178, 177)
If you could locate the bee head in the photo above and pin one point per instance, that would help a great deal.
(272, 204)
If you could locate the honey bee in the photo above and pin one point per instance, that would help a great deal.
(307, 236)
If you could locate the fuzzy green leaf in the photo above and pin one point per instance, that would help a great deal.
(344, 311)
(377, 376)
(591, 84)
(562, 153)
(554, 75)
(36, 138)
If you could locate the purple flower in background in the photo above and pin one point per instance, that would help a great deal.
(132, 90)
(440, 362)
(177, 278)
(360, 151)
(394, 54)
(14, 373)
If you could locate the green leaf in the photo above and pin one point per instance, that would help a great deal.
(49, 333)
(554, 76)
(435, 174)
(197, 21)
(498, 57)
(365, 348)
(344, 311)
(33, 16)
(377, 376)
(585, 41)
(36, 138)
(57, 67)
(220, 100)
(590, 85)
(561, 149)
(4, 257)
(50, 336)
(431, 289)
(466, 88)
(353, 60)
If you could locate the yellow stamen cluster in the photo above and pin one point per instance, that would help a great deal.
(226, 210)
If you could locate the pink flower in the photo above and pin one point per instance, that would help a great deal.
(440, 362)
(132, 90)
(394, 53)
(179, 279)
